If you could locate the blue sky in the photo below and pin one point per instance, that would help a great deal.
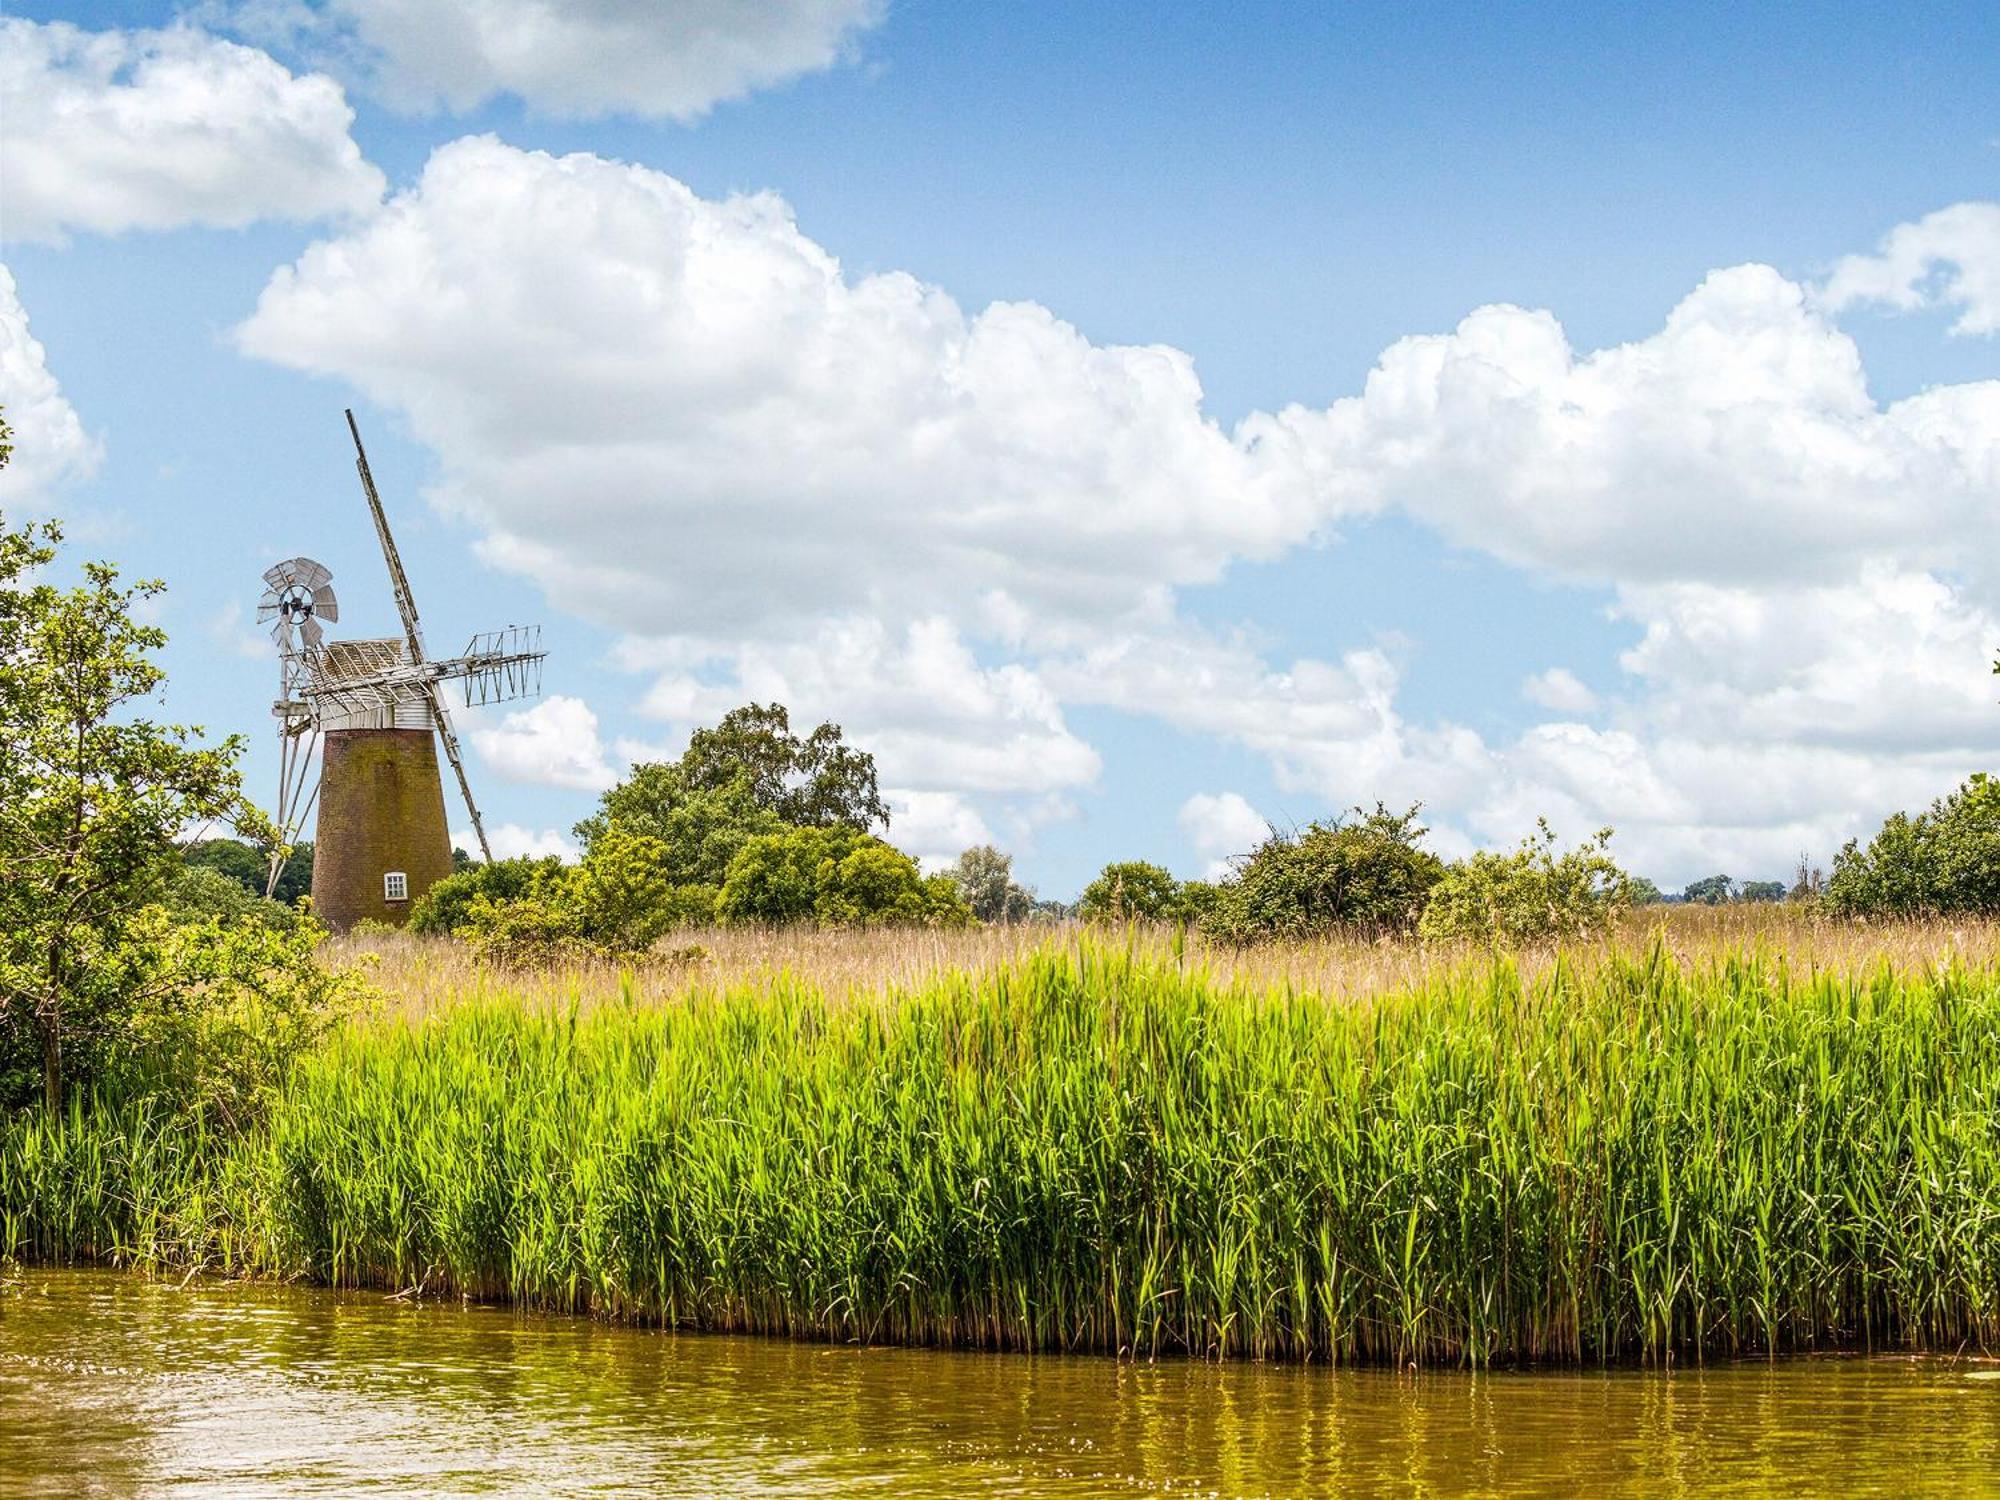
(1281, 193)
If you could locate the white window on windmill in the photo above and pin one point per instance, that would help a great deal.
(395, 886)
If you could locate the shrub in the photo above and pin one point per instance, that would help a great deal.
(1940, 862)
(447, 906)
(1530, 894)
(1368, 875)
(529, 931)
(1131, 890)
(620, 896)
(835, 877)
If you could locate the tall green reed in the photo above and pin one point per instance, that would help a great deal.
(1090, 1149)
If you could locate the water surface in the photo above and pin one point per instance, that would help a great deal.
(115, 1386)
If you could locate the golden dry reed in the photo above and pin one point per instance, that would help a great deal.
(1683, 1143)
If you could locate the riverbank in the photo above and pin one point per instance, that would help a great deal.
(1628, 1156)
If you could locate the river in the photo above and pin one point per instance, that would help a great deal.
(112, 1385)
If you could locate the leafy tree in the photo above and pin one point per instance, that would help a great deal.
(1761, 890)
(233, 859)
(93, 796)
(701, 827)
(1710, 890)
(1130, 890)
(249, 866)
(985, 878)
(835, 877)
(447, 906)
(1942, 862)
(1369, 874)
(1644, 892)
(1532, 893)
(815, 782)
(194, 893)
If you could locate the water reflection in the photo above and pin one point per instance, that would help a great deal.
(110, 1385)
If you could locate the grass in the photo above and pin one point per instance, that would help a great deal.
(425, 976)
(1679, 1143)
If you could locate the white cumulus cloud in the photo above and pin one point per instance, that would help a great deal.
(51, 448)
(1559, 690)
(116, 130)
(512, 841)
(936, 827)
(553, 743)
(1222, 826)
(1950, 258)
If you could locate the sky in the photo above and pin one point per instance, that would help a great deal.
(1138, 426)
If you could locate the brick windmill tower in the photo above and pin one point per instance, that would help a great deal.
(375, 710)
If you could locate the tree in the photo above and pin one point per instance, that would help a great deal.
(815, 782)
(700, 827)
(1130, 890)
(835, 877)
(985, 878)
(1761, 890)
(1942, 862)
(93, 797)
(1529, 894)
(1368, 875)
(1645, 892)
(1710, 890)
(250, 866)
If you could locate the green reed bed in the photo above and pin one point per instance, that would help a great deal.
(1088, 1150)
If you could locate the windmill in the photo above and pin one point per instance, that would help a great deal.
(375, 711)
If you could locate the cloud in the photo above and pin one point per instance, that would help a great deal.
(553, 743)
(741, 439)
(116, 130)
(1950, 258)
(936, 827)
(604, 57)
(1222, 826)
(512, 841)
(51, 448)
(1737, 444)
(1559, 690)
(951, 530)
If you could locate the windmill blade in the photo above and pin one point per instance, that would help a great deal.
(399, 582)
(312, 633)
(441, 717)
(325, 605)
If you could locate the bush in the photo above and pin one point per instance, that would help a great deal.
(1368, 876)
(529, 931)
(1942, 862)
(1131, 890)
(447, 906)
(1530, 894)
(835, 877)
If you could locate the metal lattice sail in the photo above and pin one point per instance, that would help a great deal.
(381, 685)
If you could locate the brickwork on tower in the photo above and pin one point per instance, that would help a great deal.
(381, 809)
